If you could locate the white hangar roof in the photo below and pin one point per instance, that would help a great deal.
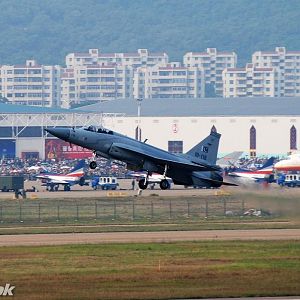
(258, 106)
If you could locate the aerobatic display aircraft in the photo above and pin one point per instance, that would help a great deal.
(75, 176)
(290, 164)
(263, 173)
(197, 167)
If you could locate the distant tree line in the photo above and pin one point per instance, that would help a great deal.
(48, 30)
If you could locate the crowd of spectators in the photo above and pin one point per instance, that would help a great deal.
(253, 163)
(31, 167)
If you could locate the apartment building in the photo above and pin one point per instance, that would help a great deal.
(172, 80)
(135, 59)
(250, 81)
(213, 63)
(31, 84)
(288, 65)
(95, 83)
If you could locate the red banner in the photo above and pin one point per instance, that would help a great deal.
(58, 149)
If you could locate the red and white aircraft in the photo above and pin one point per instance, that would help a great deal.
(292, 163)
(76, 176)
(265, 172)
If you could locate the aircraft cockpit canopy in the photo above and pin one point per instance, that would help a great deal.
(98, 129)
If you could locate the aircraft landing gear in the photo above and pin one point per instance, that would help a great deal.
(51, 187)
(93, 165)
(143, 184)
(67, 188)
(164, 184)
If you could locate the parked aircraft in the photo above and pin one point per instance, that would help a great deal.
(262, 173)
(229, 160)
(76, 176)
(37, 169)
(197, 167)
(292, 163)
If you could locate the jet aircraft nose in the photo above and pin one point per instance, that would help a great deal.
(61, 133)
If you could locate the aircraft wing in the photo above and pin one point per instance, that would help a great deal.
(53, 180)
(60, 181)
(179, 163)
(44, 177)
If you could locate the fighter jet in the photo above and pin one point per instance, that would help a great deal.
(197, 167)
(75, 176)
(264, 173)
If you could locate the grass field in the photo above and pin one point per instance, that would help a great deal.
(151, 213)
(153, 271)
(104, 210)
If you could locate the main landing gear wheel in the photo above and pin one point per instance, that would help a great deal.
(93, 165)
(143, 184)
(67, 188)
(164, 184)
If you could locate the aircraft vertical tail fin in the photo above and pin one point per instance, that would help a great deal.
(268, 163)
(78, 170)
(207, 149)
(230, 159)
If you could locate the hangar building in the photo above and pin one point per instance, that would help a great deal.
(257, 126)
(22, 131)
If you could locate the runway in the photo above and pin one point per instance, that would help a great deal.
(147, 237)
(79, 192)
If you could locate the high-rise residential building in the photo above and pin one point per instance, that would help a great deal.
(288, 65)
(31, 84)
(213, 63)
(118, 85)
(250, 81)
(135, 59)
(172, 80)
(95, 83)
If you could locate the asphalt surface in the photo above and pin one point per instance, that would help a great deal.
(147, 237)
(125, 190)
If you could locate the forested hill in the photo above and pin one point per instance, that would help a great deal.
(49, 29)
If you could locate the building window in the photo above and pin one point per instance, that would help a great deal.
(175, 146)
(293, 138)
(252, 141)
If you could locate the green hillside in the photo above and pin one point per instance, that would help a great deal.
(49, 29)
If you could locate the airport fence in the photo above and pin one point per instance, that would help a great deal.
(117, 210)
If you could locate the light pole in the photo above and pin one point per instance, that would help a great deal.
(138, 134)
